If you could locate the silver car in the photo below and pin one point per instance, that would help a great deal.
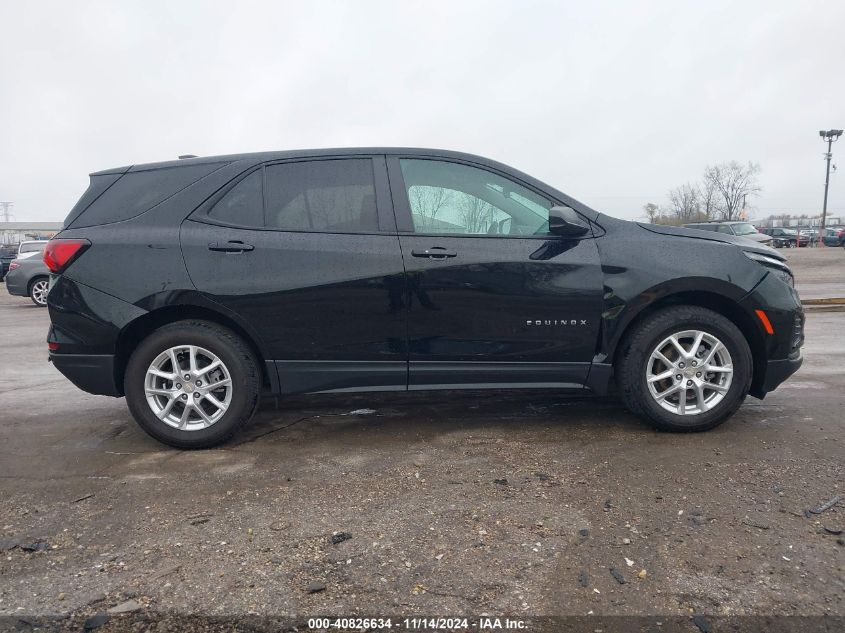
(745, 230)
(29, 277)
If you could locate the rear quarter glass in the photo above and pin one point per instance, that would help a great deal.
(135, 192)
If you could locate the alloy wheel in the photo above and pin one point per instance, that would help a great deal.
(188, 387)
(689, 372)
(39, 291)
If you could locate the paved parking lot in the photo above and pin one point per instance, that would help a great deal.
(501, 503)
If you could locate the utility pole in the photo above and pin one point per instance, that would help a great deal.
(829, 136)
(5, 206)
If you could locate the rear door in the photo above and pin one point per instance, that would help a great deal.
(493, 298)
(305, 252)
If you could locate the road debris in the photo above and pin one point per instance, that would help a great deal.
(642, 575)
(315, 587)
(629, 562)
(501, 482)
(340, 537)
(36, 546)
(755, 524)
(362, 412)
(617, 575)
(96, 621)
(125, 607)
(834, 531)
(701, 622)
(825, 506)
(583, 579)
(84, 497)
(584, 532)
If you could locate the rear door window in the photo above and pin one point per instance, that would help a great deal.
(330, 196)
(243, 204)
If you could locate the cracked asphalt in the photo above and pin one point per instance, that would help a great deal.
(507, 503)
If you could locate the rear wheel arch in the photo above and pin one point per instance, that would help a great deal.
(712, 301)
(139, 329)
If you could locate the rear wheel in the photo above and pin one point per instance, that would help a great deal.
(686, 368)
(38, 289)
(192, 384)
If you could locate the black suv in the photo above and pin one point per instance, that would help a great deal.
(192, 286)
(785, 238)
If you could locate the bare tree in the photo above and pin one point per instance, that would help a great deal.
(709, 199)
(475, 213)
(685, 203)
(652, 211)
(427, 202)
(733, 182)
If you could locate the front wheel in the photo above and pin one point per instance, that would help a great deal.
(685, 368)
(192, 384)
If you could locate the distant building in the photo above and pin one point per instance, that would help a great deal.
(14, 232)
(788, 221)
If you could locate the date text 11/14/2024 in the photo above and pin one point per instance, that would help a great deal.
(417, 624)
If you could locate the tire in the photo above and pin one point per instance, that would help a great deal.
(38, 288)
(790, 244)
(635, 361)
(206, 424)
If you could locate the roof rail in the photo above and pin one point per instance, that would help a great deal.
(184, 156)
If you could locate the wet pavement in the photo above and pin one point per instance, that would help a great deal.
(489, 502)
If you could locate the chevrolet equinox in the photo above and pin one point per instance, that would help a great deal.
(192, 286)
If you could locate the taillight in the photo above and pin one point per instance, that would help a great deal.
(14, 265)
(60, 253)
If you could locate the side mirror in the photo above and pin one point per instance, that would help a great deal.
(564, 221)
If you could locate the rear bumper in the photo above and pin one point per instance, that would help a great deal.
(16, 284)
(93, 373)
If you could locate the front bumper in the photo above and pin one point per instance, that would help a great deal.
(93, 373)
(777, 371)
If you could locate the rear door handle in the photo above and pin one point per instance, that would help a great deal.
(435, 252)
(232, 246)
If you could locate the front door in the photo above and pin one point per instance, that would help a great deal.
(305, 253)
(493, 298)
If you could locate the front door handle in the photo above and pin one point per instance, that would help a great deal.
(232, 246)
(435, 252)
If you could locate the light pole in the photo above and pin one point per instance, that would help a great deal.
(829, 136)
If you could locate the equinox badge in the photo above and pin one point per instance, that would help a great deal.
(569, 322)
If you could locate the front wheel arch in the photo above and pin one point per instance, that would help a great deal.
(712, 301)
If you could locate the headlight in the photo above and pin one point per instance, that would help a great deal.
(778, 268)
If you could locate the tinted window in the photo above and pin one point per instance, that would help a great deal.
(243, 204)
(334, 196)
(139, 191)
(725, 228)
(451, 198)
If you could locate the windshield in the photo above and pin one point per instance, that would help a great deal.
(32, 247)
(744, 228)
(789, 231)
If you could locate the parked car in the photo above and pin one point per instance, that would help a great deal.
(191, 286)
(740, 229)
(833, 237)
(29, 277)
(785, 238)
(8, 253)
(31, 248)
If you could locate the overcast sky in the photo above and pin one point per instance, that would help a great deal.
(611, 102)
